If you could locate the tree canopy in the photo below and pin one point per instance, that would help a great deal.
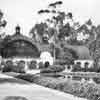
(3, 23)
(62, 27)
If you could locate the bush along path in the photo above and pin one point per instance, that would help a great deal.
(86, 90)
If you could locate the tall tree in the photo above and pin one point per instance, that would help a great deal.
(38, 30)
(3, 23)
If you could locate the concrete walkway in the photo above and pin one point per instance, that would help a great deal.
(30, 91)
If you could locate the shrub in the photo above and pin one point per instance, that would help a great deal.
(6, 69)
(27, 77)
(32, 65)
(60, 62)
(8, 66)
(41, 65)
(97, 80)
(21, 64)
(18, 69)
(77, 68)
(57, 68)
(91, 69)
(53, 68)
(47, 70)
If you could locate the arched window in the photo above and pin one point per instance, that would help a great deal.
(41, 65)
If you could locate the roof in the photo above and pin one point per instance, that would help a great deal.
(21, 37)
(81, 51)
(41, 47)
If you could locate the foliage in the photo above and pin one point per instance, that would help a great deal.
(56, 21)
(66, 55)
(41, 65)
(65, 31)
(53, 68)
(76, 68)
(62, 28)
(27, 77)
(10, 67)
(87, 90)
(94, 48)
(57, 68)
(3, 23)
(38, 30)
(32, 65)
(17, 69)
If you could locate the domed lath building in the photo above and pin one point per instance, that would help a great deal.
(19, 47)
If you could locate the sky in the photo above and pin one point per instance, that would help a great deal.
(24, 12)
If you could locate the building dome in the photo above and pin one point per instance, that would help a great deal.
(19, 45)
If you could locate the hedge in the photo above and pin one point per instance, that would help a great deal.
(53, 68)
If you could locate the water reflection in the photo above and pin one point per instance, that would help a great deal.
(12, 80)
(15, 98)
